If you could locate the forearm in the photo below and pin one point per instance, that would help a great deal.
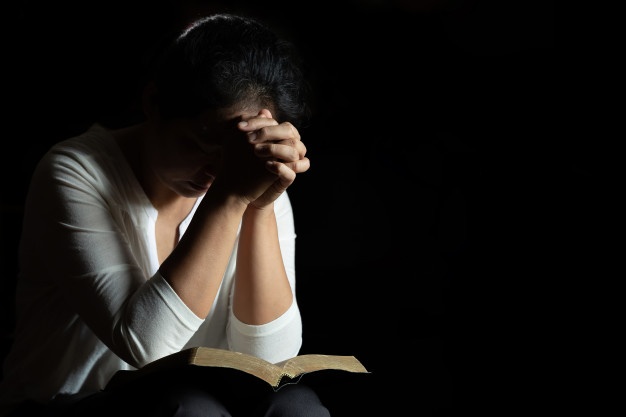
(262, 289)
(196, 267)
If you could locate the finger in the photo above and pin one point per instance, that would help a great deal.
(263, 118)
(266, 128)
(276, 151)
(266, 131)
(254, 125)
(299, 166)
(265, 113)
(285, 174)
(301, 148)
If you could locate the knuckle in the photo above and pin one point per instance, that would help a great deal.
(262, 133)
(294, 132)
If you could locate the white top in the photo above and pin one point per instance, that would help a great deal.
(85, 204)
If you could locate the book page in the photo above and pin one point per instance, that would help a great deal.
(315, 362)
(229, 359)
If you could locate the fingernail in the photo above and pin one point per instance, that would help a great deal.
(243, 123)
(252, 137)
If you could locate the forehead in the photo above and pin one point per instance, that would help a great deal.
(212, 126)
(211, 119)
(237, 113)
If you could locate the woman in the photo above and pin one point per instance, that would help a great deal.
(173, 232)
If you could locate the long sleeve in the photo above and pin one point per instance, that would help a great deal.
(90, 299)
(76, 205)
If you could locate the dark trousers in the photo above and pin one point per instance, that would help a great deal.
(190, 392)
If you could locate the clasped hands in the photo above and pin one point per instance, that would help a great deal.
(275, 154)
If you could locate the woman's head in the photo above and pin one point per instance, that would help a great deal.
(225, 60)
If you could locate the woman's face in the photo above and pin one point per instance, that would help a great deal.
(186, 155)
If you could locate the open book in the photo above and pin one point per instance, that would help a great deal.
(276, 375)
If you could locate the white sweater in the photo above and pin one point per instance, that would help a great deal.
(86, 205)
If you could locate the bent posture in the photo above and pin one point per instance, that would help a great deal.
(173, 232)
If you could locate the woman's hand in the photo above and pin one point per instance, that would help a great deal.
(280, 146)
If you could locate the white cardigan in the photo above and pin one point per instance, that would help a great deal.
(85, 204)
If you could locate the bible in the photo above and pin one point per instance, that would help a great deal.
(274, 374)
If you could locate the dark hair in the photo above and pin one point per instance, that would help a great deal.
(224, 59)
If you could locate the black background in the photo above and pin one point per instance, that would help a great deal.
(435, 200)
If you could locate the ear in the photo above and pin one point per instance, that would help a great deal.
(149, 101)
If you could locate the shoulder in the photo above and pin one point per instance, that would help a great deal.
(91, 153)
(90, 163)
(92, 144)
